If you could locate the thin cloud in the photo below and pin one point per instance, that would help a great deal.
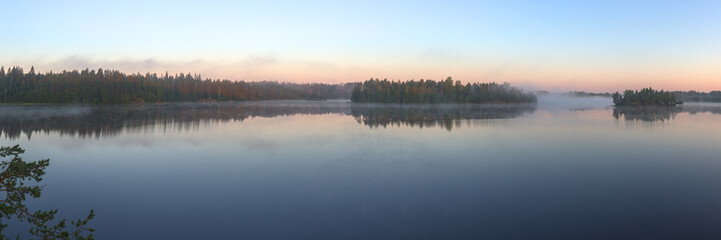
(440, 54)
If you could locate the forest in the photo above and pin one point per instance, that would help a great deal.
(114, 87)
(586, 94)
(430, 91)
(694, 96)
(686, 96)
(645, 97)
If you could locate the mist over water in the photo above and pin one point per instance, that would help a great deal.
(555, 101)
(110, 121)
(565, 167)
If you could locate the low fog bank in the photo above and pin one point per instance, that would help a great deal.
(42, 111)
(564, 101)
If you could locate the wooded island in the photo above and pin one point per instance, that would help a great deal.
(429, 91)
(645, 97)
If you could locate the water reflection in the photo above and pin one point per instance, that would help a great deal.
(652, 114)
(110, 121)
(556, 167)
(445, 116)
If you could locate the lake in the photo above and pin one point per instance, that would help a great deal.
(565, 168)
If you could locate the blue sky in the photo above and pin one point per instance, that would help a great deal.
(585, 45)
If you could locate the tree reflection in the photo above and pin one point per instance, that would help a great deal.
(652, 114)
(110, 121)
(445, 116)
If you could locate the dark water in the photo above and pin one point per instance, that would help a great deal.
(561, 169)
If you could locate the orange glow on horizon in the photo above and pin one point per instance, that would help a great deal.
(525, 75)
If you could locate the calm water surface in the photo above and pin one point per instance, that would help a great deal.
(563, 168)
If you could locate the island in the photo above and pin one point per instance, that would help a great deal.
(430, 91)
(645, 97)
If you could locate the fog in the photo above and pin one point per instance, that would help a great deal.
(538, 167)
(557, 101)
(110, 121)
(42, 111)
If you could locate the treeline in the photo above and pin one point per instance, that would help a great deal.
(114, 87)
(694, 96)
(645, 97)
(587, 94)
(429, 91)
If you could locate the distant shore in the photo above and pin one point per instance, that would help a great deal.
(432, 92)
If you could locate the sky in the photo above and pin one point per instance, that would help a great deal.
(539, 45)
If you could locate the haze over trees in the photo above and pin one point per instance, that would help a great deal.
(694, 96)
(645, 97)
(587, 94)
(429, 91)
(114, 87)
